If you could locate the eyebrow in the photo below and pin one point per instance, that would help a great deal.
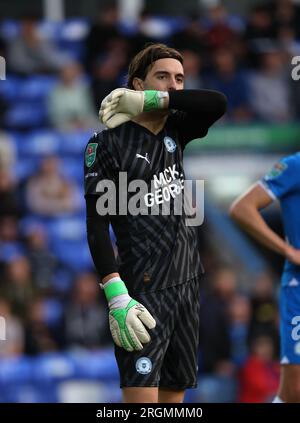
(161, 72)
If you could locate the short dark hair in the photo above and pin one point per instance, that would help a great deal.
(143, 61)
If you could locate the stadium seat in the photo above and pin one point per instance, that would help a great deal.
(74, 143)
(36, 87)
(37, 144)
(72, 169)
(9, 89)
(15, 370)
(49, 367)
(9, 28)
(25, 115)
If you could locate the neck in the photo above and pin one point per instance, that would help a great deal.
(153, 121)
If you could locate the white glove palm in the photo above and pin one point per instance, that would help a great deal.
(123, 104)
(127, 318)
(120, 106)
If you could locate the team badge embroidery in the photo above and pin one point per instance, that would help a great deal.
(277, 170)
(143, 365)
(90, 154)
(170, 144)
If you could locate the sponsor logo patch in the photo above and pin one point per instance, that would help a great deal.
(276, 170)
(90, 153)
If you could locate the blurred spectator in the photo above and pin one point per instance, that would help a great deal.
(148, 30)
(215, 345)
(70, 104)
(106, 74)
(43, 263)
(239, 315)
(85, 317)
(7, 152)
(191, 37)
(102, 35)
(48, 193)
(227, 78)
(270, 88)
(220, 34)
(286, 14)
(192, 70)
(18, 287)
(13, 344)
(38, 336)
(10, 245)
(8, 198)
(260, 29)
(2, 47)
(264, 308)
(259, 377)
(28, 53)
(260, 26)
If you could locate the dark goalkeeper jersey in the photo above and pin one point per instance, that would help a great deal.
(156, 248)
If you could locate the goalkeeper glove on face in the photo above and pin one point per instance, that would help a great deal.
(123, 104)
(127, 317)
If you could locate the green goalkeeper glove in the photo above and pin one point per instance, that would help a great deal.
(123, 104)
(127, 317)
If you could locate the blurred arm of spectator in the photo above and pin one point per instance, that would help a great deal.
(48, 193)
(13, 344)
(28, 53)
(70, 103)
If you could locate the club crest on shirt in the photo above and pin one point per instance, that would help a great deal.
(90, 153)
(276, 170)
(170, 144)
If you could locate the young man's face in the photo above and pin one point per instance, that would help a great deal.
(165, 75)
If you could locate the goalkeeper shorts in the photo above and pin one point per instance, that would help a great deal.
(170, 359)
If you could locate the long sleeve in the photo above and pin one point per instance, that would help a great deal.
(197, 111)
(99, 240)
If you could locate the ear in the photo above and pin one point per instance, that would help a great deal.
(138, 84)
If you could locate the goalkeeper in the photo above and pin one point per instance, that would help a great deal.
(153, 289)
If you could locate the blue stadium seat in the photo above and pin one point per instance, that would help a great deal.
(30, 393)
(25, 168)
(26, 115)
(99, 364)
(10, 250)
(49, 367)
(38, 144)
(72, 169)
(15, 370)
(53, 311)
(36, 87)
(9, 28)
(74, 143)
(72, 36)
(67, 238)
(9, 89)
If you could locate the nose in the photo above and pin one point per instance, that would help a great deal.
(172, 84)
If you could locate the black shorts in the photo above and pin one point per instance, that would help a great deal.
(170, 358)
